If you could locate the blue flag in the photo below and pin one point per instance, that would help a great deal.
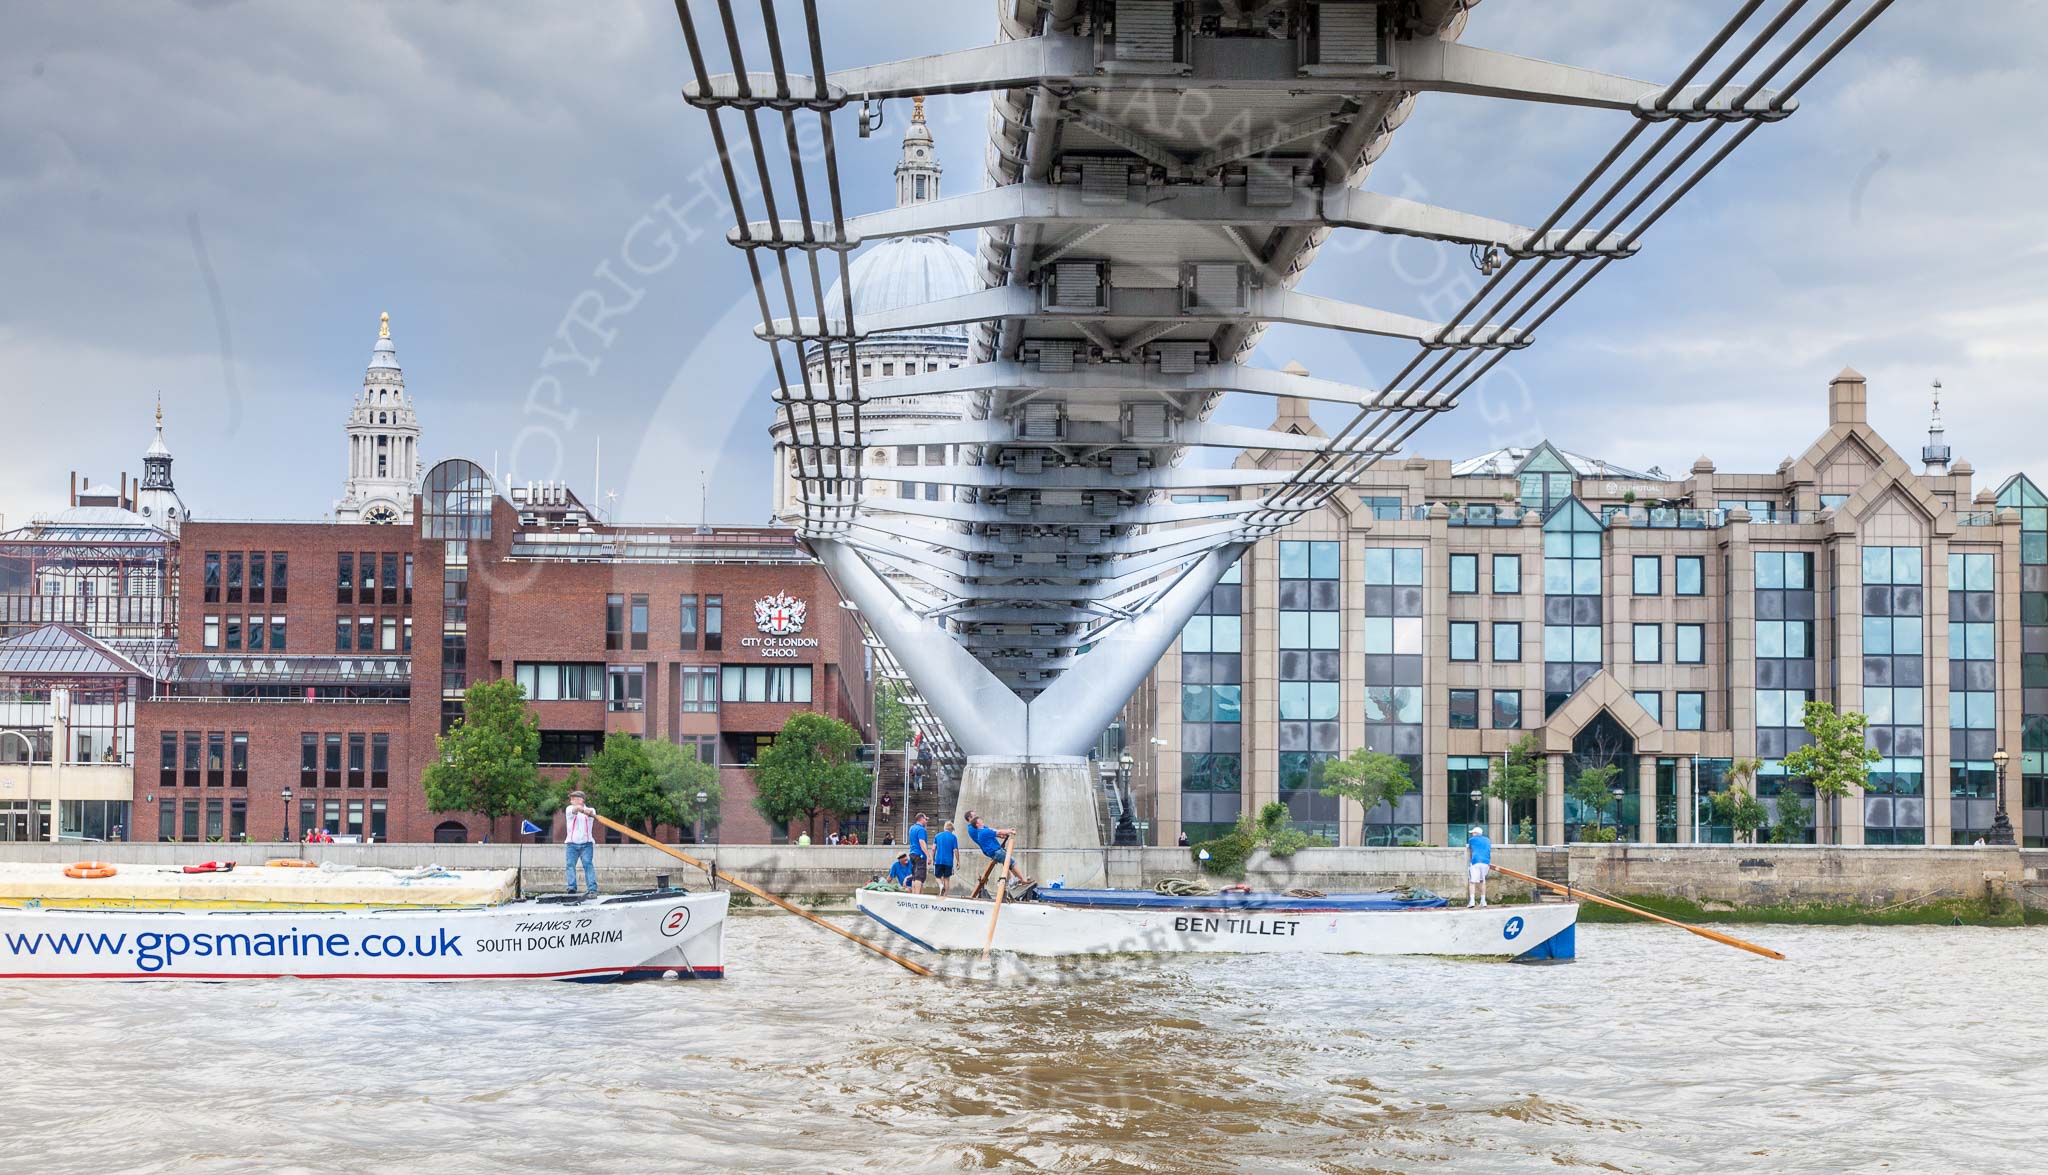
(528, 828)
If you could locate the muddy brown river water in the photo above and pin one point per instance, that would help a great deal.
(1910, 1049)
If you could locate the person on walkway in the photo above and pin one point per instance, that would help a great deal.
(945, 848)
(1479, 858)
(832, 838)
(920, 852)
(1183, 841)
(579, 843)
(990, 842)
(804, 839)
(900, 871)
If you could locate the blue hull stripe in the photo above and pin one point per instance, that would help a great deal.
(898, 930)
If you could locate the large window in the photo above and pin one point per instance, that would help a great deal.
(345, 578)
(615, 622)
(714, 623)
(234, 577)
(211, 592)
(357, 756)
(1464, 640)
(638, 619)
(766, 683)
(1394, 681)
(1507, 575)
(2024, 498)
(1894, 694)
(456, 500)
(560, 681)
(216, 758)
(1464, 574)
(1464, 709)
(238, 758)
(1572, 605)
(1310, 680)
(309, 760)
(699, 689)
(1507, 709)
(167, 759)
(689, 622)
(330, 773)
(1648, 571)
(1691, 710)
(1649, 643)
(1211, 718)
(1689, 575)
(569, 747)
(1507, 641)
(1973, 694)
(1545, 479)
(1690, 643)
(628, 688)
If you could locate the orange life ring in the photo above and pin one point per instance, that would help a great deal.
(89, 869)
(292, 863)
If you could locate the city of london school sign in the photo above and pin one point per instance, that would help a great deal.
(780, 619)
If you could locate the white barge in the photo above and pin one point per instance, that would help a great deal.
(1104, 921)
(279, 923)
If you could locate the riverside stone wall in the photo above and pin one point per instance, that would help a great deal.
(1735, 875)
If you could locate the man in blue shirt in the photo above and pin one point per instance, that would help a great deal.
(990, 842)
(944, 848)
(920, 852)
(1479, 854)
(900, 871)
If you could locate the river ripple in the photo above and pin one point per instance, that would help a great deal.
(1916, 1049)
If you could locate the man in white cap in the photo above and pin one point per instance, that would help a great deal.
(580, 844)
(1479, 858)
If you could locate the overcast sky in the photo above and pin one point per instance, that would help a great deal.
(215, 200)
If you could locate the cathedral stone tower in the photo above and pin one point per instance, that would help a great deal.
(383, 443)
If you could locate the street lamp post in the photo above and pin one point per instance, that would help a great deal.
(703, 798)
(286, 835)
(2001, 826)
(1126, 828)
(1619, 792)
(1478, 797)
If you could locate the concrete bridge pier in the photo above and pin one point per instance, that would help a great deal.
(1050, 801)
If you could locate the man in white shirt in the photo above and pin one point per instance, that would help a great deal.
(580, 844)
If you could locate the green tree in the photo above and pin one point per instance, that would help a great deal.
(1518, 778)
(623, 785)
(1743, 811)
(1594, 790)
(1275, 832)
(683, 777)
(486, 763)
(1369, 777)
(1790, 826)
(892, 716)
(1839, 757)
(810, 770)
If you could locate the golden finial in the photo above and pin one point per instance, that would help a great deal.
(917, 108)
(159, 411)
(384, 328)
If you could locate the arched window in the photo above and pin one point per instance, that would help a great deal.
(450, 832)
(456, 501)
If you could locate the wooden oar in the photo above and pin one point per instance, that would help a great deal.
(1002, 887)
(1639, 912)
(758, 892)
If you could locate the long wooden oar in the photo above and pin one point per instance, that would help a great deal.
(1002, 887)
(758, 892)
(1639, 912)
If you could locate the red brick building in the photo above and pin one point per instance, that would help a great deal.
(317, 662)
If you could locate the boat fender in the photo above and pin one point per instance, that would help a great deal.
(89, 869)
(292, 863)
